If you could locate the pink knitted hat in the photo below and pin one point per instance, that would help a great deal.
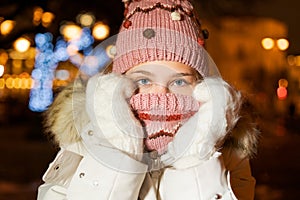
(162, 115)
(160, 30)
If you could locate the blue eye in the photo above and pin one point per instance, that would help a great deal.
(143, 81)
(180, 82)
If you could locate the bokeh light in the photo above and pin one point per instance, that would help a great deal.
(1, 70)
(281, 93)
(47, 19)
(100, 31)
(3, 57)
(41, 94)
(267, 43)
(86, 19)
(22, 44)
(282, 44)
(71, 31)
(7, 26)
(37, 15)
(293, 60)
(283, 83)
(111, 51)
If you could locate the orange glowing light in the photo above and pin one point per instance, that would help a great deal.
(9, 83)
(47, 19)
(3, 57)
(267, 43)
(281, 93)
(100, 31)
(291, 59)
(22, 44)
(71, 31)
(283, 83)
(7, 26)
(37, 15)
(282, 44)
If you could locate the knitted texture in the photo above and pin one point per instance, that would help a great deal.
(162, 115)
(154, 31)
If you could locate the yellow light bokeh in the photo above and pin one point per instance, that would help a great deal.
(1, 70)
(267, 43)
(283, 83)
(7, 26)
(9, 83)
(282, 44)
(37, 15)
(47, 19)
(100, 31)
(86, 19)
(22, 44)
(21, 81)
(71, 31)
(293, 60)
(3, 57)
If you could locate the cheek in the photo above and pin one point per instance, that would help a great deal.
(183, 90)
(153, 88)
(145, 89)
(187, 90)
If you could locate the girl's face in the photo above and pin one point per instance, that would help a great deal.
(163, 77)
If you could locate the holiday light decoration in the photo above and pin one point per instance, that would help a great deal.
(79, 51)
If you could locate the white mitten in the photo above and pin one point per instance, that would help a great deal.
(195, 141)
(113, 122)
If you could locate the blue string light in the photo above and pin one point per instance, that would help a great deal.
(47, 58)
(41, 95)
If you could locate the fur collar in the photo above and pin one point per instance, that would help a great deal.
(67, 115)
(63, 123)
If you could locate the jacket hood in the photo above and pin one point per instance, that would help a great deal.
(244, 136)
(67, 116)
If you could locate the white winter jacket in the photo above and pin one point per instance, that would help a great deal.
(76, 175)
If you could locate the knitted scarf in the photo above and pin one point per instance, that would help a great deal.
(162, 115)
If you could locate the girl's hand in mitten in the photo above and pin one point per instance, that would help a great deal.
(196, 140)
(112, 119)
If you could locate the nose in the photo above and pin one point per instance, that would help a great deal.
(160, 89)
(156, 89)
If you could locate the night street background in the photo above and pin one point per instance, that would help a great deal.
(25, 151)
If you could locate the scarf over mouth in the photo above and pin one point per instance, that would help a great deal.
(162, 115)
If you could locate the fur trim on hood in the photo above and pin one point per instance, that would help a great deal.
(67, 116)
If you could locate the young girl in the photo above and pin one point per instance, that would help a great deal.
(162, 124)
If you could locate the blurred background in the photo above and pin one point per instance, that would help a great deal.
(43, 43)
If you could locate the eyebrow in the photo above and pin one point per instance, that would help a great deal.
(183, 74)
